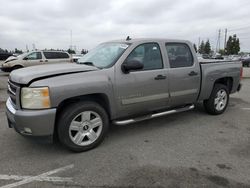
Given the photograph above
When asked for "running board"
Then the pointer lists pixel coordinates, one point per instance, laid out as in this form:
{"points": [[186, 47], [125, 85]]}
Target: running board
{"points": [[128, 121]]}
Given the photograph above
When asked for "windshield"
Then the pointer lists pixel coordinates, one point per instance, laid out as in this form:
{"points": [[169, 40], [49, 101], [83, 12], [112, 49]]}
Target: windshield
{"points": [[104, 55]]}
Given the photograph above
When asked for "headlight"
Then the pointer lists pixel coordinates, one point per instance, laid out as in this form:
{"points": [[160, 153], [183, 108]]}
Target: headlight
{"points": [[35, 98]]}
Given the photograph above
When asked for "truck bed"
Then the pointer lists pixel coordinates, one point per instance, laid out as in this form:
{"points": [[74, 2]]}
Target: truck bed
{"points": [[206, 61], [211, 70]]}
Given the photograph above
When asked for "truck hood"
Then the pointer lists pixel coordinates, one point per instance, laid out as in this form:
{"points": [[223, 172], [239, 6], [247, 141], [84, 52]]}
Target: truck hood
{"points": [[26, 75]]}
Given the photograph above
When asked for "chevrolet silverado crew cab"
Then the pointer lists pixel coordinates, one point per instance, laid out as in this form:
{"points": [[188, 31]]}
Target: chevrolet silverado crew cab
{"points": [[122, 82], [35, 58]]}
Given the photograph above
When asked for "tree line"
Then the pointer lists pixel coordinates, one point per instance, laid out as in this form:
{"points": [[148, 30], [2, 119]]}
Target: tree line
{"points": [[16, 51], [232, 46]]}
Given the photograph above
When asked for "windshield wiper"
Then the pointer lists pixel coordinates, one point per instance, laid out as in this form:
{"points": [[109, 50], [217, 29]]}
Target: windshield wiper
{"points": [[89, 63]]}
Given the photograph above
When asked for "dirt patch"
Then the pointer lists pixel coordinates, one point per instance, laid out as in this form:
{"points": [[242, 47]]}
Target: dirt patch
{"points": [[218, 180], [154, 176], [2, 106], [223, 166], [241, 150], [237, 101]]}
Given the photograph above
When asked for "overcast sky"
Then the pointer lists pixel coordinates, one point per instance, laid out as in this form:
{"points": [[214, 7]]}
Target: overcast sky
{"points": [[47, 23]]}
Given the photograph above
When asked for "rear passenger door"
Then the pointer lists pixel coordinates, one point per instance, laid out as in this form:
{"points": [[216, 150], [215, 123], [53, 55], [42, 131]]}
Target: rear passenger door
{"points": [[184, 74]]}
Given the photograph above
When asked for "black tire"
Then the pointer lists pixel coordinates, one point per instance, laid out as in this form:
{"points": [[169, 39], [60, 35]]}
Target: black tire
{"points": [[209, 104], [16, 67], [67, 116]]}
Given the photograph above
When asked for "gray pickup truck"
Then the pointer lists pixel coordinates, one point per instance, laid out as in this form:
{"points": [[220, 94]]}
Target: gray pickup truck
{"points": [[122, 81]]}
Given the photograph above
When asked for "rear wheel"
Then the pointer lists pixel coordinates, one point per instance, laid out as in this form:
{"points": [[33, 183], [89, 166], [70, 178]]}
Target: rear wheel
{"points": [[82, 126], [218, 100]]}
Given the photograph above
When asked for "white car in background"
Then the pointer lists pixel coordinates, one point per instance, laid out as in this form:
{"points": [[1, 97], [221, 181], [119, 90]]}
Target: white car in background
{"points": [[35, 58], [75, 57], [234, 57]]}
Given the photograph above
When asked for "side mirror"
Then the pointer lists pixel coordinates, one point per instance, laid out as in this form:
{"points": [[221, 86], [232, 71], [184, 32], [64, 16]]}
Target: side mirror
{"points": [[127, 66], [26, 58]]}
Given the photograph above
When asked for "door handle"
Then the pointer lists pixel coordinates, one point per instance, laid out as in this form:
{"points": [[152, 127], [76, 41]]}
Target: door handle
{"points": [[46, 60], [193, 73], [160, 77], [41, 60]]}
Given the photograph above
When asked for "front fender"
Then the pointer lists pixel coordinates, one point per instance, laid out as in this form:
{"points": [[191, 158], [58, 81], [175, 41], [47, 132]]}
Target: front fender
{"points": [[79, 84]]}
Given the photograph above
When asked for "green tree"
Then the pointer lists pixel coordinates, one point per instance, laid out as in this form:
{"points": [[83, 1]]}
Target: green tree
{"points": [[222, 52], [233, 45], [207, 47], [70, 51], [18, 51], [84, 51], [202, 47]]}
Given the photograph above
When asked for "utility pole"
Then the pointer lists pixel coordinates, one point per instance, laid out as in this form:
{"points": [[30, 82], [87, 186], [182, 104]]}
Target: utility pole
{"points": [[225, 43], [27, 48], [34, 47], [219, 39], [70, 40], [199, 43], [218, 42]]}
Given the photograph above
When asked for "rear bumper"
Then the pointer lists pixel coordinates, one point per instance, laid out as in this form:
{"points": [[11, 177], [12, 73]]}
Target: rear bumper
{"points": [[32, 123]]}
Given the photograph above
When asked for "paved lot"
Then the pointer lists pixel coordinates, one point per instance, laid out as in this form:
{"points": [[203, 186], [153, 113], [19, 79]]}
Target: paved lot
{"points": [[190, 149]]}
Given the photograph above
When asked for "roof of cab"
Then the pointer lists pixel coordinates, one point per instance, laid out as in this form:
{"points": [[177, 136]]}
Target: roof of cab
{"points": [[144, 40]]}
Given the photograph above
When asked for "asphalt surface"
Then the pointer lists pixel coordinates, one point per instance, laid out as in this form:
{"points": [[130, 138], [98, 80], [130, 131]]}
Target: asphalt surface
{"points": [[189, 149]]}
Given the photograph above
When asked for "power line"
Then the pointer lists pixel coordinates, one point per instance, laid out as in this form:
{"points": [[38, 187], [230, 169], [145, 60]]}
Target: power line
{"points": [[244, 37], [241, 28], [225, 42]]}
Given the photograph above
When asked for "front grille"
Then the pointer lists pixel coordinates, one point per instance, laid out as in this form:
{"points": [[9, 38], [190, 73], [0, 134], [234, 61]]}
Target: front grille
{"points": [[12, 91]]}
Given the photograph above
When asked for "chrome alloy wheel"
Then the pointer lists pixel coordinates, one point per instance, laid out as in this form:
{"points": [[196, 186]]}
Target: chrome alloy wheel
{"points": [[85, 128], [220, 100]]}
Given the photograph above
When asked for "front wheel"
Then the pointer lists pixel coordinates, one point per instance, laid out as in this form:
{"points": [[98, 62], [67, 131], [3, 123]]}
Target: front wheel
{"points": [[82, 126], [218, 100]]}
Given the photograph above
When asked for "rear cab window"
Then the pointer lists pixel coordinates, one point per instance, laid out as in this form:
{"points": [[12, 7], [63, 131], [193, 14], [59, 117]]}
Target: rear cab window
{"points": [[179, 55]]}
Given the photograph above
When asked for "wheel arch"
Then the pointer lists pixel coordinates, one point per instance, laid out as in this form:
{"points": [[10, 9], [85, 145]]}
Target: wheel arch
{"points": [[227, 81], [99, 98], [17, 65]]}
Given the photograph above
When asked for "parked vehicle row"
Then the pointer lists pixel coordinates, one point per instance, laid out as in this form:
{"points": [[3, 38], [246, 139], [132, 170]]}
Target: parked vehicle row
{"points": [[35, 58], [4, 55], [246, 62], [121, 81]]}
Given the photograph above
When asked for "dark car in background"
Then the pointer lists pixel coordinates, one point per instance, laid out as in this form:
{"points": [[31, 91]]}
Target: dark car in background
{"points": [[4, 55], [246, 62]]}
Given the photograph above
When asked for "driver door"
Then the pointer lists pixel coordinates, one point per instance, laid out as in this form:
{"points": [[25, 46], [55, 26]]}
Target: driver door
{"points": [[146, 90]]}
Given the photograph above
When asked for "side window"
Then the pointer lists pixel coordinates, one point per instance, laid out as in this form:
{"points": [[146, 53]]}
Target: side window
{"points": [[34, 56], [48, 55], [179, 55], [55, 55], [149, 54], [63, 55]]}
